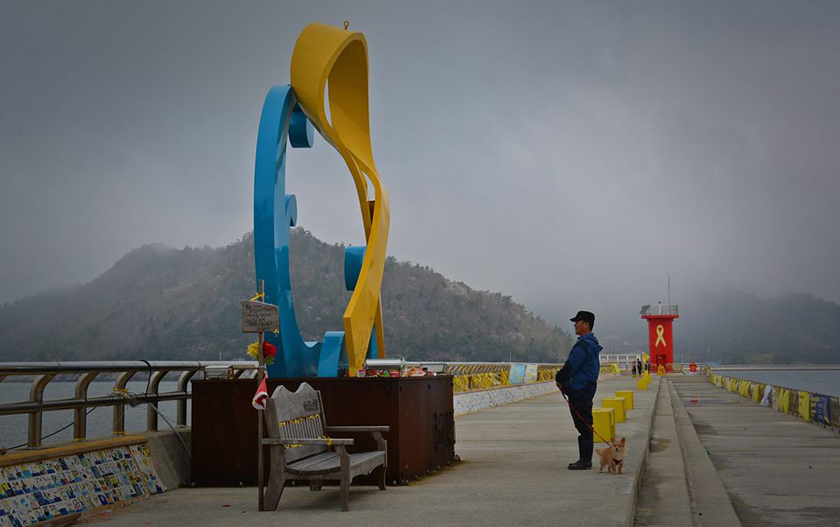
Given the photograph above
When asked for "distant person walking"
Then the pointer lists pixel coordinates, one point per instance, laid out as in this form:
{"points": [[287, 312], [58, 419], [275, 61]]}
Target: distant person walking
{"points": [[578, 381], [639, 369]]}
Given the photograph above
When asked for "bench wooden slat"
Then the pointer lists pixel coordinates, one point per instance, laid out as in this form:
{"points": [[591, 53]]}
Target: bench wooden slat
{"points": [[327, 464], [331, 459], [304, 464]]}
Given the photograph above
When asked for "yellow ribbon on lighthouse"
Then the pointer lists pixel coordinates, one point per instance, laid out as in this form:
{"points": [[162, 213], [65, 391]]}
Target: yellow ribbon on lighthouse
{"points": [[660, 336], [334, 62]]}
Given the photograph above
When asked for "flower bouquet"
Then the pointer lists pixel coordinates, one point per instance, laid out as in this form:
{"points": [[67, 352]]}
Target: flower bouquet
{"points": [[269, 352]]}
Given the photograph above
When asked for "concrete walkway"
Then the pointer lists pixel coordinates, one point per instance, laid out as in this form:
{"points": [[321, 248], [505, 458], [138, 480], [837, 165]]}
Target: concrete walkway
{"points": [[513, 473], [776, 468]]}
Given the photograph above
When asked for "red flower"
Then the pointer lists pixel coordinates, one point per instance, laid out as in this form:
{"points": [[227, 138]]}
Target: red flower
{"points": [[269, 350]]}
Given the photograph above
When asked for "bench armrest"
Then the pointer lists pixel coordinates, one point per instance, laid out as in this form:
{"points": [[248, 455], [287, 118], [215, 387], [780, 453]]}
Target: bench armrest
{"points": [[375, 431], [362, 428], [307, 441]]}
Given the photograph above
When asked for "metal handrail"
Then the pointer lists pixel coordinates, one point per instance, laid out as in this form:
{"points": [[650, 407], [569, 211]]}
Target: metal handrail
{"points": [[44, 372], [89, 371]]}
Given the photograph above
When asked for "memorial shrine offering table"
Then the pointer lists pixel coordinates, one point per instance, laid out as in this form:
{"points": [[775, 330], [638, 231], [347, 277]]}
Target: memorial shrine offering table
{"points": [[419, 411]]}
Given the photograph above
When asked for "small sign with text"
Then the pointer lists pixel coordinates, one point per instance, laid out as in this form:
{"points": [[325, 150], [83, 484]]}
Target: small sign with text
{"points": [[259, 317]]}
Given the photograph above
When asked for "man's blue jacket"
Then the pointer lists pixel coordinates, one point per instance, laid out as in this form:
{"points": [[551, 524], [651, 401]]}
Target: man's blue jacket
{"points": [[582, 365]]}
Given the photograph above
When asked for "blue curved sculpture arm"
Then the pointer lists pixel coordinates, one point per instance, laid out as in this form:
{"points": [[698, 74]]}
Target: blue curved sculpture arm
{"points": [[274, 213]]}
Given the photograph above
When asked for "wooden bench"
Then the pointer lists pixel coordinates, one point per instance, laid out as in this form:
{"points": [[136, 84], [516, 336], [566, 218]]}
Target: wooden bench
{"points": [[301, 449]]}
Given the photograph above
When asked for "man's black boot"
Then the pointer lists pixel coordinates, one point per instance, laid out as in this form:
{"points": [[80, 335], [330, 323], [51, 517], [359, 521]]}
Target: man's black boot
{"points": [[580, 464], [585, 448]]}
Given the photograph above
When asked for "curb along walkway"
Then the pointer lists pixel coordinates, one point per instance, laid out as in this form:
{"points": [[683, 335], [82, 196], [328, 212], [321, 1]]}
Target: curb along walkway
{"points": [[664, 498], [513, 472], [680, 486]]}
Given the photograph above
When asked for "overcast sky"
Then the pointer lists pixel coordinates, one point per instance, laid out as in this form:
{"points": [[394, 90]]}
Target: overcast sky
{"points": [[571, 154]]}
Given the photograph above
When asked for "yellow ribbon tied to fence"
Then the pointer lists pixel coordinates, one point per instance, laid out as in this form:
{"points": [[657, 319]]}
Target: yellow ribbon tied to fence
{"points": [[460, 383], [784, 400], [805, 405], [758, 391], [485, 380]]}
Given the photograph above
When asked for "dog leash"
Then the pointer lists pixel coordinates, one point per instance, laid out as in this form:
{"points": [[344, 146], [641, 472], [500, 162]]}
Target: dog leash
{"points": [[582, 420]]}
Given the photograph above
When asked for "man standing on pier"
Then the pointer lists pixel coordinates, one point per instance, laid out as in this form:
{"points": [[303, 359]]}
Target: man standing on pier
{"points": [[578, 381]]}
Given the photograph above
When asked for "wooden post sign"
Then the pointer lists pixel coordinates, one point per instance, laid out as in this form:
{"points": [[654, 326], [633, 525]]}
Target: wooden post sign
{"points": [[259, 317]]}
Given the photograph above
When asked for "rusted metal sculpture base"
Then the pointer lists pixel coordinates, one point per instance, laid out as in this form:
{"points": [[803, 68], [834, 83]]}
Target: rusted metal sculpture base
{"points": [[418, 410]]}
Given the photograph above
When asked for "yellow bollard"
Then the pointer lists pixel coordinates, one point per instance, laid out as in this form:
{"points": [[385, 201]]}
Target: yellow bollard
{"points": [[618, 403], [627, 394], [604, 423], [641, 384]]}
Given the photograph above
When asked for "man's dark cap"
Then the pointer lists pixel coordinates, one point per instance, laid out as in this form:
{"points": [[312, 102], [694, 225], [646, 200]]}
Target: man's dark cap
{"points": [[588, 316]]}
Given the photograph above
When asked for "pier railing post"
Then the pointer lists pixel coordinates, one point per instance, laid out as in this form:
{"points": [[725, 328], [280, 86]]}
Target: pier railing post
{"points": [[119, 407], [80, 414], [183, 383], [152, 405], [36, 395]]}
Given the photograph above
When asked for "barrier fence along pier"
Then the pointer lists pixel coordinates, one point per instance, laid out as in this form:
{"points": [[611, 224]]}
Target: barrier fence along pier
{"points": [[810, 406]]}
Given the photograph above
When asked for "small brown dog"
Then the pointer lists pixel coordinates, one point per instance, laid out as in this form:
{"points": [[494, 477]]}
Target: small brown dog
{"points": [[613, 456]]}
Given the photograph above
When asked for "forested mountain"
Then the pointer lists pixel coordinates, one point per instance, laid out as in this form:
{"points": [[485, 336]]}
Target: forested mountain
{"points": [[163, 303]]}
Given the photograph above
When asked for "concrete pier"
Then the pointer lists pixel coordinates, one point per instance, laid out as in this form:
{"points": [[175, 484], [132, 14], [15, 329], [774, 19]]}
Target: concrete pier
{"points": [[697, 455], [513, 473]]}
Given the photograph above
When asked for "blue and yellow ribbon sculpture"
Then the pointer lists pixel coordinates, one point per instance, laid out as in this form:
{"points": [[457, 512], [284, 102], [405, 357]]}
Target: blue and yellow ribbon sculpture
{"points": [[333, 60]]}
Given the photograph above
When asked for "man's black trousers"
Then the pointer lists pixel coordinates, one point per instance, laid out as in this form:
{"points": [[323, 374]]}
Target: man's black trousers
{"points": [[580, 406]]}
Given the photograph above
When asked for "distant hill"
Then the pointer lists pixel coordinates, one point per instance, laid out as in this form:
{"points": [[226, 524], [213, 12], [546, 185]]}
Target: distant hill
{"points": [[733, 327], [163, 303], [739, 328]]}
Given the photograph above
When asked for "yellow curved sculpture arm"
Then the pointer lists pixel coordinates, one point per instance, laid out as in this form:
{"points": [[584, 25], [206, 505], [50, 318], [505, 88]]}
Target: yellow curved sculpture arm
{"points": [[326, 55]]}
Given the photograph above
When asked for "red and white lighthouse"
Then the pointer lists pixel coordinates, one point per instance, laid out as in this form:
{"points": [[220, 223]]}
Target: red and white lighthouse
{"points": [[661, 334]]}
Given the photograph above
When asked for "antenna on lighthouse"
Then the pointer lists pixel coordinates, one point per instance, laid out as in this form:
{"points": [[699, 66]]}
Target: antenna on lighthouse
{"points": [[669, 289]]}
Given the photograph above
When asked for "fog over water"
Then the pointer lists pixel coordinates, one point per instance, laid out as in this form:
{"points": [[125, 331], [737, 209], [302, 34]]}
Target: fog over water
{"points": [[571, 154]]}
